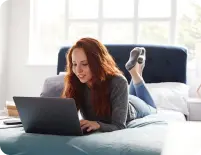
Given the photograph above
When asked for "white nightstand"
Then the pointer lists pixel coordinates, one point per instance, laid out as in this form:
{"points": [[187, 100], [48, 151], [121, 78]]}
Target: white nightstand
{"points": [[194, 109]]}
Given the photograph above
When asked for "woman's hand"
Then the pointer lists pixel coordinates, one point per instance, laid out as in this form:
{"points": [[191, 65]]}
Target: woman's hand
{"points": [[89, 125]]}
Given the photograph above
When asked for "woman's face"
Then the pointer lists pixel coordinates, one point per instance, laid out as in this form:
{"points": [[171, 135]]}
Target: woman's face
{"points": [[80, 66]]}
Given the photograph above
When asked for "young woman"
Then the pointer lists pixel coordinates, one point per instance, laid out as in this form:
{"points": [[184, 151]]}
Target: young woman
{"points": [[101, 91]]}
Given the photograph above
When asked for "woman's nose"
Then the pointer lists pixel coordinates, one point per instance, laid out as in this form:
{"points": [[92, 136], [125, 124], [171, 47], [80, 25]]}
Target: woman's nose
{"points": [[79, 69]]}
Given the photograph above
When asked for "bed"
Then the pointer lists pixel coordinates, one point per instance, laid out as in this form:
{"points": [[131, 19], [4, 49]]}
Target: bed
{"points": [[143, 136]]}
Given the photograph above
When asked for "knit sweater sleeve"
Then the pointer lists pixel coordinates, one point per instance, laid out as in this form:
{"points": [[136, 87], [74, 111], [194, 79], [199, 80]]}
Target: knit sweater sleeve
{"points": [[119, 105]]}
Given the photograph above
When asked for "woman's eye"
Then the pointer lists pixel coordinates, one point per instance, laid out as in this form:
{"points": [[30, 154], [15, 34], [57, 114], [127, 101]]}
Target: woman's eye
{"points": [[74, 65], [85, 64]]}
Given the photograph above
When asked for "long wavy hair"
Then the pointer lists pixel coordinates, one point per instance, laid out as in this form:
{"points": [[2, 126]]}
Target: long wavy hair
{"points": [[102, 66]]}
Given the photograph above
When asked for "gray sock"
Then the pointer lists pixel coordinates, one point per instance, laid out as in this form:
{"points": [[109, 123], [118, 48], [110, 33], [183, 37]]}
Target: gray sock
{"points": [[142, 56], [134, 54]]}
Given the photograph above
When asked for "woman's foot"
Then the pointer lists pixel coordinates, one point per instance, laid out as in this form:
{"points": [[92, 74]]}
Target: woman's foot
{"points": [[142, 56], [142, 59], [134, 55], [136, 62]]}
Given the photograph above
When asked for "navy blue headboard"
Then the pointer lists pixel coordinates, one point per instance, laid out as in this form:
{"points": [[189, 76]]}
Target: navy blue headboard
{"points": [[163, 63]]}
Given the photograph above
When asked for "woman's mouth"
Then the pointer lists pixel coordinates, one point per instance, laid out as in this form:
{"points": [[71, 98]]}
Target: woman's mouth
{"points": [[81, 76]]}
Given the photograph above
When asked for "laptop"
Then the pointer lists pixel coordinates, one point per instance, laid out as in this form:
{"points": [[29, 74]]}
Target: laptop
{"points": [[55, 116]]}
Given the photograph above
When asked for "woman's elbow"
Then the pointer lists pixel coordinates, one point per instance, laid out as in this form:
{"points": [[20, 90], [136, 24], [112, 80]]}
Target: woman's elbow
{"points": [[121, 126]]}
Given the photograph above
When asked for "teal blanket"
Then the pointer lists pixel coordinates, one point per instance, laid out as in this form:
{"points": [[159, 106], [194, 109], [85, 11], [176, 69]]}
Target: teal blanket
{"points": [[143, 137]]}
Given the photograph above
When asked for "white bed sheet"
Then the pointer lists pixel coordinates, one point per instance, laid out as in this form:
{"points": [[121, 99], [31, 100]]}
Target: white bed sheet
{"points": [[170, 115]]}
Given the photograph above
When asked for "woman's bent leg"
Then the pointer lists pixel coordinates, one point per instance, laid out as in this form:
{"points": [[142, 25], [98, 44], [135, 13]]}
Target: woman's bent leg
{"points": [[142, 108], [132, 89], [137, 85], [143, 93]]}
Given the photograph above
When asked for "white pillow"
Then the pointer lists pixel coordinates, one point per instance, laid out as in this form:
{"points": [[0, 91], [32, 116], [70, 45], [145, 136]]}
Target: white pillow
{"points": [[62, 73], [170, 96]]}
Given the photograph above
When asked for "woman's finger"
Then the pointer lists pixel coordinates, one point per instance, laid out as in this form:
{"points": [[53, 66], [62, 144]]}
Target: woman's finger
{"points": [[85, 126], [82, 122], [90, 129]]}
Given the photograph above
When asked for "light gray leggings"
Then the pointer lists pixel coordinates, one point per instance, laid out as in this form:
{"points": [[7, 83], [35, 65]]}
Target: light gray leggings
{"points": [[141, 99]]}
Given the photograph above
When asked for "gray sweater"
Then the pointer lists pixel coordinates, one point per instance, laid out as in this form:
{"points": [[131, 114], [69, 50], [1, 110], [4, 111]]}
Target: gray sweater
{"points": [[122, 111]]}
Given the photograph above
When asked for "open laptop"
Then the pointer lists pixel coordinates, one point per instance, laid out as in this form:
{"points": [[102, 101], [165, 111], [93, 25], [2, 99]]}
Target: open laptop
{"points": [[57, 116]]}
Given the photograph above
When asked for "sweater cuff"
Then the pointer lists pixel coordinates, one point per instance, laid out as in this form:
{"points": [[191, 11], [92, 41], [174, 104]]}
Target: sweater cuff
{"points": [[101, 126]]}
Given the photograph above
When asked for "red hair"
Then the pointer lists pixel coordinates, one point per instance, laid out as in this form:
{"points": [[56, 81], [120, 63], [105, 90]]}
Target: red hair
{"points": [[102, 66]]}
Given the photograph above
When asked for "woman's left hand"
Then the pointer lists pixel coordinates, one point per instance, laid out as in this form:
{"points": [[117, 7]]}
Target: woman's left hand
{"points": [[89, 125]]}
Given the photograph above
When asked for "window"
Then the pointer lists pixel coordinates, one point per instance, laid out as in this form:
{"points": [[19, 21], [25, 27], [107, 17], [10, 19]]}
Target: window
{"points": [[154, 32], [63, 22], [47, 30], [59, 23]]}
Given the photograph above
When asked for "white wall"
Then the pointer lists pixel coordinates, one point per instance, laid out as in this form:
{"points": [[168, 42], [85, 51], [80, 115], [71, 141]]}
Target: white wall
{"points": [[4, 16], [22, 79]]}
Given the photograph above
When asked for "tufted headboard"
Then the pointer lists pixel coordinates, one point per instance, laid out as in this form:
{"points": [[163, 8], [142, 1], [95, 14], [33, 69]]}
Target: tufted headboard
{"points": [[163, 63]]}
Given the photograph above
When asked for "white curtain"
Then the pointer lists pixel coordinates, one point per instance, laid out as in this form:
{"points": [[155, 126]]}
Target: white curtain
{"points": [[198, 67], [3, 52], [194, 72]]}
